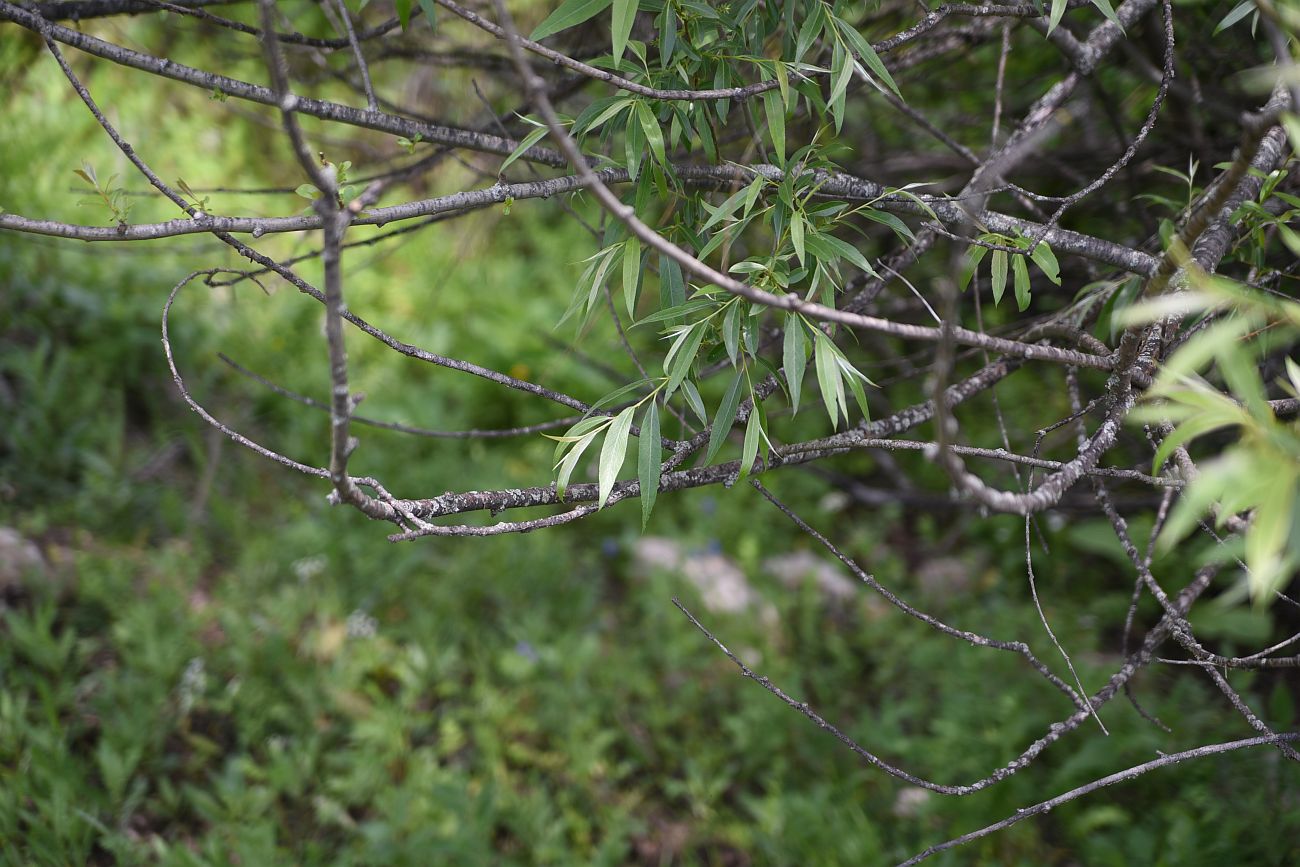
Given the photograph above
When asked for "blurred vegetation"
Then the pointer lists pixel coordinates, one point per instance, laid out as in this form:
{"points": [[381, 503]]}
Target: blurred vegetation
{"points": [[214, 667]]}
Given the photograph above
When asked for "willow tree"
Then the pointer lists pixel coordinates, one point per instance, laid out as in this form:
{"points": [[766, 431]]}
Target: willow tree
{"points": [[795, 208]]}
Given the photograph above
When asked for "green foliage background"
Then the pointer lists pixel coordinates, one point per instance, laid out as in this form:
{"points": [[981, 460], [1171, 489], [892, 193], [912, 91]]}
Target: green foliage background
{"points": [[523, 700]]}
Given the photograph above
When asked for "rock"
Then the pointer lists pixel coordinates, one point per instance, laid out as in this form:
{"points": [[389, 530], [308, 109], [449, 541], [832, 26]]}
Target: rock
{"points": [[910, 801], [831, 578], [721, 583], [20, 561]]}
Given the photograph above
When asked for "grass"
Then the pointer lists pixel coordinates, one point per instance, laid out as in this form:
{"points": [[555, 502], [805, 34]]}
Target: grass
{"points": [[217, 668]]}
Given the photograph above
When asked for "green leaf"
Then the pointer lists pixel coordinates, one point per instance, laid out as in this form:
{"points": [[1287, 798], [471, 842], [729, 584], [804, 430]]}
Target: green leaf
{"points": [[621, 27], [634, 144], [430, 13], [576, 433], [855, 380], [705, 133], [783, 83], [774, 106], [794, 357], [667, 35], [812, 26], [681, 356], [884, 218], [974, 255], [1290, 238], [631, 273], [570, 14], [725, 416], [1238, 12], [731, 330], [828, 377], [694, 401], [1267, 537], [826, 246], [617, 393], [308, 192], [749, 450], [672, 287], [1022, 281], [694, 305], [1293, 375], [1045, 259], [841, 73], [862, 48], [1197, 498], [613, 453], [649, 463], [797, 235], [1106, 9], [654, 136], [725, 210], [1058, 9], [999, 269], [596, 114], [1185, 433], [569, 461], [528, 141], [403, 8]]}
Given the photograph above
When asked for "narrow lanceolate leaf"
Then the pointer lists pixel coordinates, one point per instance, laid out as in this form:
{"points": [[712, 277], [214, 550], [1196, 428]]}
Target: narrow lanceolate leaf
{"points": [[1185, 433], [1240, 11], [528, 141], [841, 74], [1109, 11], [1266, 540], [649, 463], [797, 234], [725, 416], [1045, 259], [624, 15], [1022, 282], [631, 273], [828, 378], [403, 8], [749, 450], [731, 331], [569, 461], [1058, 9], [794, 357], [774, 105], [726, 209], [855, 378], [862, 48], [430, 12], [672, 286], [654, 136], [680, 364], [694, 401], [613, 453], [999, 269], [827, 246], [808, 32], [974, 255], [570, 13], [667, 35], [576, 434]]}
